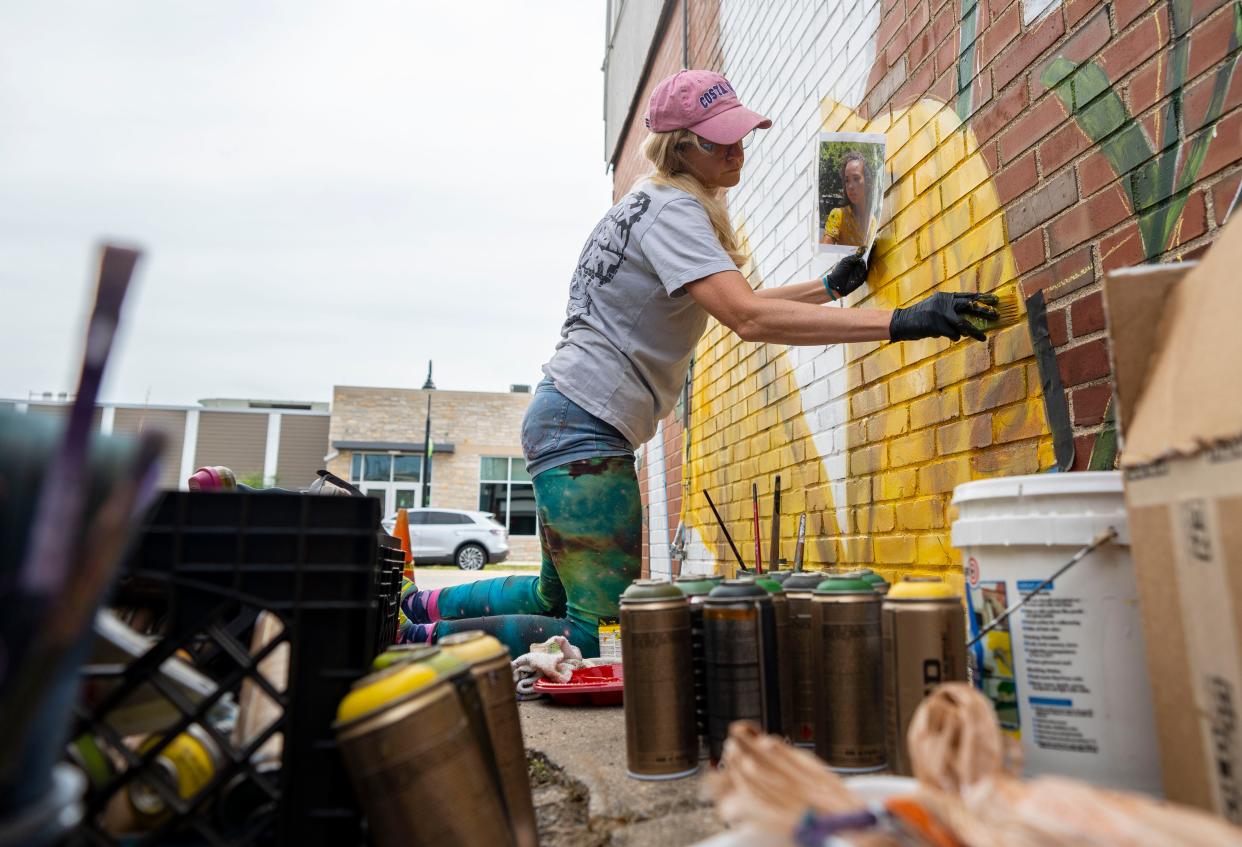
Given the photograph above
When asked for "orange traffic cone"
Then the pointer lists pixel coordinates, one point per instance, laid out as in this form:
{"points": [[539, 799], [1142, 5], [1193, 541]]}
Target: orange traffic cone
{"points": [[402, 533]]}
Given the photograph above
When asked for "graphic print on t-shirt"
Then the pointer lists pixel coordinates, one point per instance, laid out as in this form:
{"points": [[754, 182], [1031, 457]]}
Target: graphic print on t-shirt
{"points": [[604, 253]]}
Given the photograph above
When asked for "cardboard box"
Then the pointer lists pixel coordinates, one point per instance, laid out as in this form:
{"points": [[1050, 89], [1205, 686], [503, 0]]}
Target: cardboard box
{"points": [[1176, 346]]}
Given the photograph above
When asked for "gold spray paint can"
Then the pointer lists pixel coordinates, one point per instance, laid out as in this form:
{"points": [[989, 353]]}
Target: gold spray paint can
{"points": [[408, 749], [489, 664], [799, 590], [847, 656], [660, 737], [924, 633], [740, 644]]}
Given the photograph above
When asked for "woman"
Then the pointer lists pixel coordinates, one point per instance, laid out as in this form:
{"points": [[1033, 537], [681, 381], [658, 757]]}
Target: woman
{"points": [[659, 264], [851, 224]]}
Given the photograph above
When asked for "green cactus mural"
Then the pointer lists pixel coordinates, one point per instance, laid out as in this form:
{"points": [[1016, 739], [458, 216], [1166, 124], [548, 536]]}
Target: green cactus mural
{"points": [[1157, 187]]}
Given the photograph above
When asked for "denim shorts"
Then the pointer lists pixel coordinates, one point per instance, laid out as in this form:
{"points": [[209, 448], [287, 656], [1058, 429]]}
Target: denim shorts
{"points": [[557, 431]]}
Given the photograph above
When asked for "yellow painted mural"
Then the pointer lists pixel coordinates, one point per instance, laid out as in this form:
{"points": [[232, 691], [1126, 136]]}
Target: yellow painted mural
{"points": [[875, 466]]}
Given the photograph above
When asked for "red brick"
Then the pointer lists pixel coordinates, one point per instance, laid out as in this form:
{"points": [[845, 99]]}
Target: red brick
{"points": [[1146, 88], [1003, 30], [1000, 112], [1094, 172], [1223, 193], [918, 85], [920, 48], [1086, 41], [1195, 102], [1030, 127], [1127, 11], [1122, 249], [1076, 10], [946, 56], [988, 152], [945, 87], [918, 18], [1193, 221], [878, 70], [1087, 314], [1210, 43], [1129, 51], [1058, 327], [1225, 146], [890, 6], [1075, 266], [1062, 146], [890, 25], [1017, 178], [1083, 363], [896, 49], [1028, 251], [1090, 403], [1083, 444], [1086, 220], [944, 24], [1018, 56]]}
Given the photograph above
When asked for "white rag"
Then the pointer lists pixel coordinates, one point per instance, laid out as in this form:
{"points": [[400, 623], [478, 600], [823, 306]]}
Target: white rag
{"points": [[555, 659]]}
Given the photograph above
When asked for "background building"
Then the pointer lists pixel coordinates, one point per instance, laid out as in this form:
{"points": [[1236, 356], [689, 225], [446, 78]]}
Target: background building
{"points": [[373, 437], [264, 442], [376, 442], [1035, 143]]}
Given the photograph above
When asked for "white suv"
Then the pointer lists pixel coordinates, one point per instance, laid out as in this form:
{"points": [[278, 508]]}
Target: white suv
{"points": [[469, 540]]}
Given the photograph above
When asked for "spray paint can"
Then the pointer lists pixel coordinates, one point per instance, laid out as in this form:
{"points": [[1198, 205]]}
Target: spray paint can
{"points": [[660, 739], [924, 634], [408, 748], [779, 577], [849, 681], [784, 651], [695, 589], [740, 644], [878, 583], [489, 665], [799, 589], [186, 765]]}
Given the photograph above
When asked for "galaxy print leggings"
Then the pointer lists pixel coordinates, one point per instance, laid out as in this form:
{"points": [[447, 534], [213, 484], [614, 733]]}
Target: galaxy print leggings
{"points": [[590, 524]]}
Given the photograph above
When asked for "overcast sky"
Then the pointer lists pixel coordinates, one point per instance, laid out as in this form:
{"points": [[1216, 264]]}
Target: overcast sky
{"points": [[326, 192]]}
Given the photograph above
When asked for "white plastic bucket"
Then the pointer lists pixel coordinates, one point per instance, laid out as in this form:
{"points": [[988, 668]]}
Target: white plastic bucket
{"points": [[1067, 672]]}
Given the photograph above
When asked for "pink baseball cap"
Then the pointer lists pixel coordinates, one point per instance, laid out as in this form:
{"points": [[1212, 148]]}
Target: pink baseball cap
{"points": [[704, 103]]}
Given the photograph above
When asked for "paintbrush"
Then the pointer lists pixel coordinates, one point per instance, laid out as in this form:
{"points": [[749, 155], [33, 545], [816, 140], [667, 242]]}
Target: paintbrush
{"points": [[754, 501], [797, 563], [1008, 308], [774, 550], [720, 522]]}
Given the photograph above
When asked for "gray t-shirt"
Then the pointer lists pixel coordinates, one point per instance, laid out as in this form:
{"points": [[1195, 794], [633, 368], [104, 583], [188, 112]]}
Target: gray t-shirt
{"points": [[629, 328]]}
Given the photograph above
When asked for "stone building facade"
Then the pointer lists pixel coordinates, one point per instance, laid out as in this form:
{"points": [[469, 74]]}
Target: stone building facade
{"points": [[1032, 145], [476, 461]]}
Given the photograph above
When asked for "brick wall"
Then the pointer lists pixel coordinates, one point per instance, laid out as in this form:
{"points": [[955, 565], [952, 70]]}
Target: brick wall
{"points": [[477, 423], [1033, 154]]}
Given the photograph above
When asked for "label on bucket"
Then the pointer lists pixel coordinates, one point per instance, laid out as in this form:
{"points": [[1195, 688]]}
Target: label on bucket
{"points": [[992, 656], [610, 639]]}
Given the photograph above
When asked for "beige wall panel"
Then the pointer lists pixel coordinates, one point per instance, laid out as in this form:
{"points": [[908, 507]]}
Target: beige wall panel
{"points": [[236, 440], [171, 423], [303, 444]]}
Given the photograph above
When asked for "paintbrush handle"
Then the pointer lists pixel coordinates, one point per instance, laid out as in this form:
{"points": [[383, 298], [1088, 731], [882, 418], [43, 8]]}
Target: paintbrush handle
{"points": [[720, 522], [798, 551], [754, 500]]}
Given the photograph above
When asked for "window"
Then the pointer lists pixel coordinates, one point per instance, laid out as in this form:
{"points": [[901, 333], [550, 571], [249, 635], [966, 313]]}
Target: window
{"points": [[447, 519], [394, 478], [506, 491]]}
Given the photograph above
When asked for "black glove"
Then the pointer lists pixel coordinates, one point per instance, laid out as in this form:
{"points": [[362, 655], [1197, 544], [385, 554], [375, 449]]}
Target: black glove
{"points": [[942, 315], [846, 275]]}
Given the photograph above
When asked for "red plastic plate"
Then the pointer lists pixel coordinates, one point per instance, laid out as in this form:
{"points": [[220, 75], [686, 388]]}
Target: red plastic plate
{"points": [[601, 686]]}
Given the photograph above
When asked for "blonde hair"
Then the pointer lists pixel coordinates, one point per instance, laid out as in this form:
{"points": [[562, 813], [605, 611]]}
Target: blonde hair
{"points": [[663, 150]]}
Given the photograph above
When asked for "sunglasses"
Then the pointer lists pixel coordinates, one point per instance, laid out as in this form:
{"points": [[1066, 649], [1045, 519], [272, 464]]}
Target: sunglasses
{"points": [[711, 147]]}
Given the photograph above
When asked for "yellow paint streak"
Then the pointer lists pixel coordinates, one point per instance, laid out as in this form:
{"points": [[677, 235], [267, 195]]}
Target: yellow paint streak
{"points": [[868, 466]]}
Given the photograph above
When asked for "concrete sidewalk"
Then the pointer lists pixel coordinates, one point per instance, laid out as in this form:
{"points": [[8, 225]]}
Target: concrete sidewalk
{"points": [[583, 797]]}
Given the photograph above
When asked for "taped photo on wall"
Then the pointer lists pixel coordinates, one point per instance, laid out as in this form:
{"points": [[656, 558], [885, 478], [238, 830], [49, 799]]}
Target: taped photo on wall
{"points": [[850, 189]]}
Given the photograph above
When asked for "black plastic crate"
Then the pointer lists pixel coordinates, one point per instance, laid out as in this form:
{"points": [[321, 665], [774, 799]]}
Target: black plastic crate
{"points": [[324, 569]]}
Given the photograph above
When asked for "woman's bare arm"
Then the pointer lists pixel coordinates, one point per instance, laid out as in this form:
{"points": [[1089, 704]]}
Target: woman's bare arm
{"points": [[767, 316]]}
